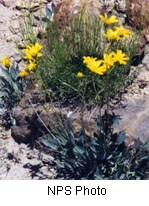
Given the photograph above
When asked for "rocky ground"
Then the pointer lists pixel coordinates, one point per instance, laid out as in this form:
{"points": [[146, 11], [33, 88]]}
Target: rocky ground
{"points": [[18, 161]]}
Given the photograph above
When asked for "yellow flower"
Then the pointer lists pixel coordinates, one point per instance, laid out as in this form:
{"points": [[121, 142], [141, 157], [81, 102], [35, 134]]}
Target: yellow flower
{"points": [[23, 73], [109, 20], [122, 32], [112, 35], [31, 66], [33, 51], [80, 74], [109, 59], [120, 57], [95, 65], [5, 61]]}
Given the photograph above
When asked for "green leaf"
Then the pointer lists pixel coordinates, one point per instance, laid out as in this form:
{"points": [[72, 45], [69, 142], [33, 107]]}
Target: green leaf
{"points": [[50, 143], [59, 164], [68, 165], [61, 140], [53, 7], [6, 79], [6, 84], [121, 137], [71, 132], [137, 143], [5, 73], [14, 72], [115, 120], [3, 94], [147, 145], [122, 176], [50, 11], [78, 150], [97, 175], [5, 89], [82, 136], [101, 154]]}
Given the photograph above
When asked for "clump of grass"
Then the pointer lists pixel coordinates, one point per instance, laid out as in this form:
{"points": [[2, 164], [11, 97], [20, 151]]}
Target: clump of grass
{"points": [[61, 71], [63, 58]]}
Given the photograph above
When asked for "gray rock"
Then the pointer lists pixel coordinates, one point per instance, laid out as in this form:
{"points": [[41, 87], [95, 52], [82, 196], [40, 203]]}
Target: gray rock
{"points": [[22, 134], [120, 5], [146, 50], [8, 3], [135, 119], [145, 60]]}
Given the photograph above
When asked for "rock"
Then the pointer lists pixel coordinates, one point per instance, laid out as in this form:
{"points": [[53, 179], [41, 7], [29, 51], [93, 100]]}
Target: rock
{"points": [[20, 162], [31, 121], [25, 130], [7, 37], [8, 3], [143, 75], [22, 134], [108, 5], [120, 5], [40, 14], [16, 173], [92, 6], [69, 8], [146, 50], [134, 111], [141, 7], [145, 60], [32, 5], [46, 158], [147, 37], [134, 118], [146, 90]]}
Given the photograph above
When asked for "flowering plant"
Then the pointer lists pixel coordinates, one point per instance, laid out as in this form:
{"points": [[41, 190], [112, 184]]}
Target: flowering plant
{"points": [[100, 44], [32, 53], [11, 88]]}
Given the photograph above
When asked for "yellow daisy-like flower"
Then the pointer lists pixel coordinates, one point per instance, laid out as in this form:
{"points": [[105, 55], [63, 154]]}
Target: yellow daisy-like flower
{"points": [[122, 32], [109, 20], [33, 51], [120, 57], [80, 74], [23, 73], [112, 35], [109, 59], [31, 66], [5, 61], [95, 65]]}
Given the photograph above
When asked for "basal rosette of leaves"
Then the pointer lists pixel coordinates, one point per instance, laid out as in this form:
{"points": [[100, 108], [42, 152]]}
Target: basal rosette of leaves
{"points": [[104, 155], [62, 69]]}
